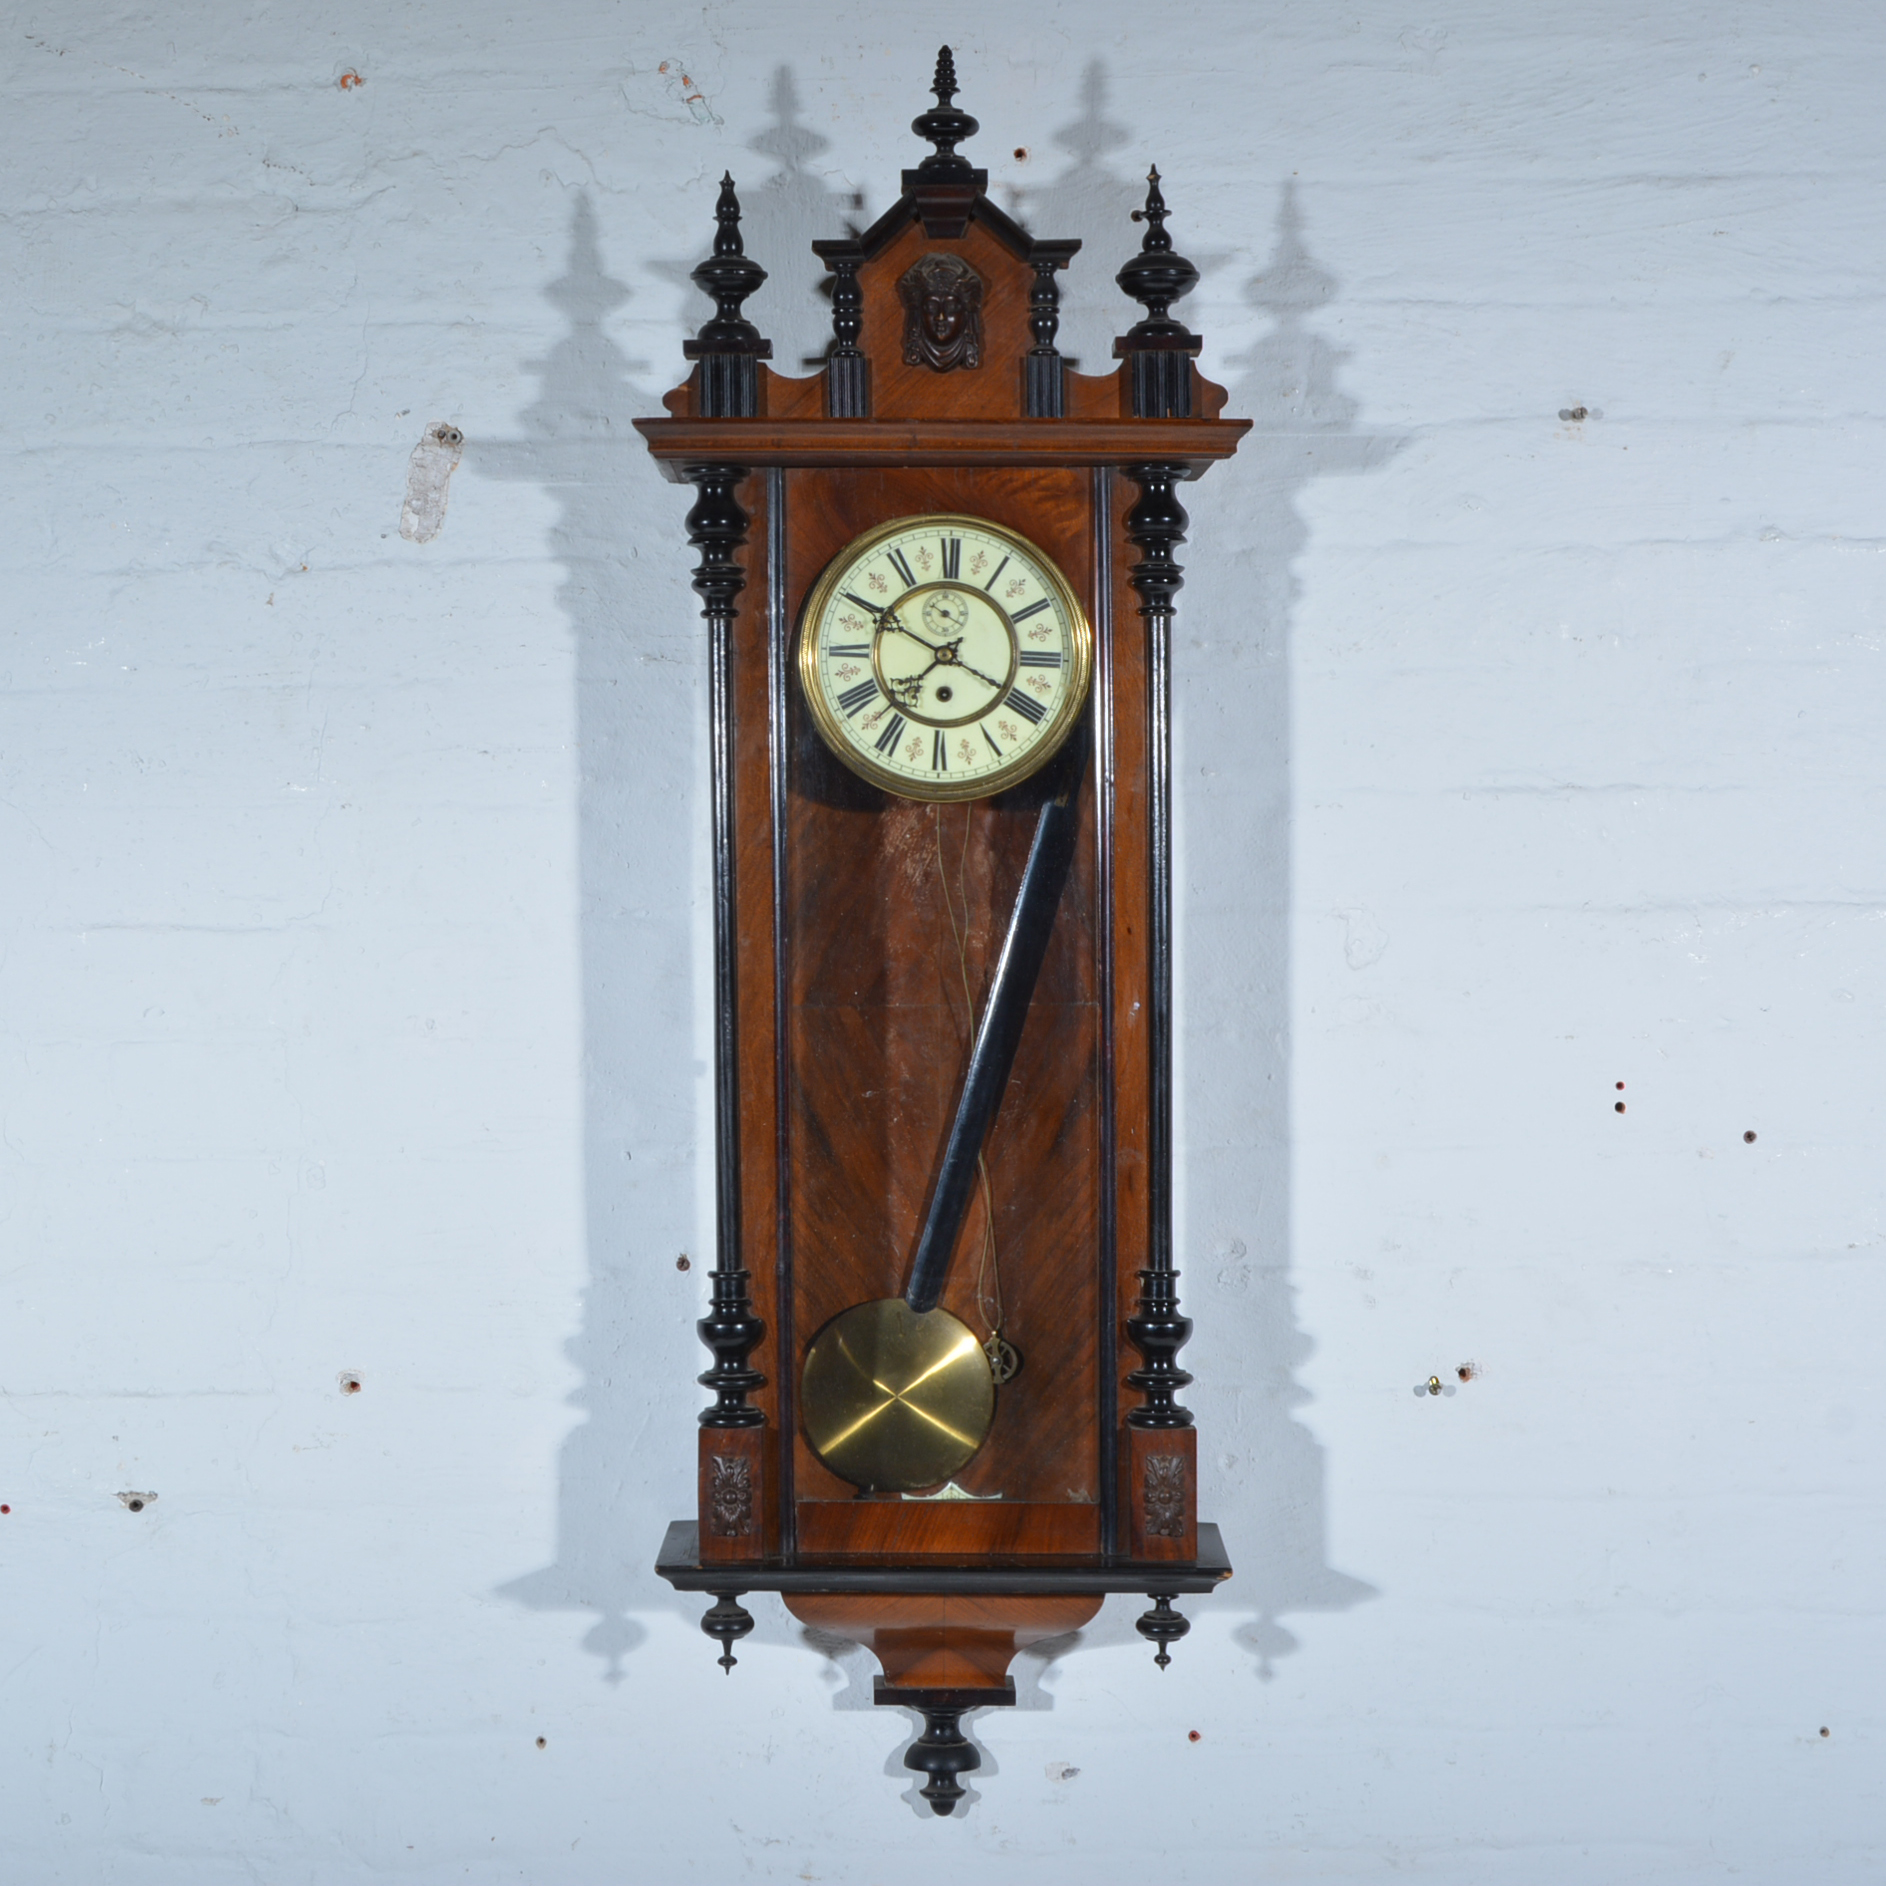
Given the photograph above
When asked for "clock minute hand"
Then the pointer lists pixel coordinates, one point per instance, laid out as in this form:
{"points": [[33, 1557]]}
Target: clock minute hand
{"points": [[890, 619], [997, 1037]]}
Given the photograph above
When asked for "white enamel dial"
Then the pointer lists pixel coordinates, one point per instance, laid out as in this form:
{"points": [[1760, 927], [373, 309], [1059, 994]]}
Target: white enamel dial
{"points": [[944, 657]]}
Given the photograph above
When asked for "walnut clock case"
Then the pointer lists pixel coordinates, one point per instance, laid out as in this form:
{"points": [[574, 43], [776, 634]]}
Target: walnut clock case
{"points": [[938, 579]]}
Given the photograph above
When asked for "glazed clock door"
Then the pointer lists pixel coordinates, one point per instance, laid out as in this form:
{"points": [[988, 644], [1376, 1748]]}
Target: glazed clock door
{"points": [[896, 909]]}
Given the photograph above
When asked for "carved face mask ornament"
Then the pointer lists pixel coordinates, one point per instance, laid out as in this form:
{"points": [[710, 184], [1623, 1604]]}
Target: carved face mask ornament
{"points": [[942, 298]]}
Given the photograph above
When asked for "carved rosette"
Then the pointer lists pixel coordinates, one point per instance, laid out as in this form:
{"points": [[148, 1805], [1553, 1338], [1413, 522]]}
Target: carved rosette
{"points": [[730, 1495], [1165, 1496], [942, 298]]}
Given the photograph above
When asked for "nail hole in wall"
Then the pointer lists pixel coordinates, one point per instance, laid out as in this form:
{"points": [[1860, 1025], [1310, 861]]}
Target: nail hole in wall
{"points": [[1619, 1105], [1192, 1735], [136, 1501], [1467, 1371], [681, 1262], [1620, 1086], [349, 1381], [1748, 1138], [543, 1742], [1575, 414], [1021, 153], [1825, 1733]]}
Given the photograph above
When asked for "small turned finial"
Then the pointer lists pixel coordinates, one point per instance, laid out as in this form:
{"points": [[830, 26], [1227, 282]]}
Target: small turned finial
{"points": [[1161, 1626], [1154, 213], [944, 126], [727, 219]]}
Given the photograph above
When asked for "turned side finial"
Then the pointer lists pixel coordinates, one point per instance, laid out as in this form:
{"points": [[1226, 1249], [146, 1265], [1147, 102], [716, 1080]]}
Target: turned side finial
{"points": [[1157, 275], [1158, 350], [729, 275], [729, 347]]}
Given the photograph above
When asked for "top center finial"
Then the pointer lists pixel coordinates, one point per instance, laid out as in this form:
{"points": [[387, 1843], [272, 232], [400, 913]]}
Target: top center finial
{"points": [[943, 124]]}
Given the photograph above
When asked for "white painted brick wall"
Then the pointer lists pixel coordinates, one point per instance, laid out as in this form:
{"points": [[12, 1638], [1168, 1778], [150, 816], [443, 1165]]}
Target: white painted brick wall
{"points": [[354, 946]]}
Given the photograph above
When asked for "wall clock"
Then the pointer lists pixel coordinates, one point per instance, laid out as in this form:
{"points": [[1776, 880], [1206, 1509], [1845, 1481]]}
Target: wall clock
{"points": [[938, 580]]}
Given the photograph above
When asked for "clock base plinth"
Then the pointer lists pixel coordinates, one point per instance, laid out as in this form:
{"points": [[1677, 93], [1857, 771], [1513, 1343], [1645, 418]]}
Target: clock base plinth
{"points": [[942, 1642], [942, 1751], [945, 1633], [943, 1655]]}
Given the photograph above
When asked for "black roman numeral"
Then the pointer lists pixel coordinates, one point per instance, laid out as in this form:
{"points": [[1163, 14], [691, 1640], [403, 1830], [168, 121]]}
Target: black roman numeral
{"points": [[1036, 657], [1033, 609], [940, 752], [860, 696], [1031, 711], [857, 651], [870, 608], [952, 557], [999, 568], [993, 748], [903, 568], [893, 730]]}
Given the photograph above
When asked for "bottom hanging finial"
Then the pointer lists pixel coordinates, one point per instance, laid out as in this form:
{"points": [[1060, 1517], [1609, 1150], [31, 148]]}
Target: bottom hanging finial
{"points": [[1161, 1626]]}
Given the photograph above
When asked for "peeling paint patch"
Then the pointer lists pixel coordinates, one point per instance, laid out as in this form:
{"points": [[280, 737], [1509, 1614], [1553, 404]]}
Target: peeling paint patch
{"points": [[428, 473], [679, 82], [136, 1501]]}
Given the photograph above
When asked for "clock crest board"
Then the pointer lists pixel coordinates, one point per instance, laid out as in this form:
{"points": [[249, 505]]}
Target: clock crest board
{"points": [[938, 579]]}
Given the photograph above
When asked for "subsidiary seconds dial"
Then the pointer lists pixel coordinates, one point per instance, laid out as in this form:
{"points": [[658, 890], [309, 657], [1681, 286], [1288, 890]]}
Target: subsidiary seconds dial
{"points": [[944, 657]]}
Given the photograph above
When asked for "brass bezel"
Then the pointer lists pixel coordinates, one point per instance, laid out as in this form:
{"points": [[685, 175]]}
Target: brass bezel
{"points": [[986, 785]]}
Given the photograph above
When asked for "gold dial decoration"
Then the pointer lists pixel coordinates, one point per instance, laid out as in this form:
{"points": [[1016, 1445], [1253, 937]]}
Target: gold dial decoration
{"points": [[944, 657]]}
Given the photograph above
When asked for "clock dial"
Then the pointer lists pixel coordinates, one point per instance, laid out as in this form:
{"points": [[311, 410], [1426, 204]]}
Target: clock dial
{"points": [[944, 657]]}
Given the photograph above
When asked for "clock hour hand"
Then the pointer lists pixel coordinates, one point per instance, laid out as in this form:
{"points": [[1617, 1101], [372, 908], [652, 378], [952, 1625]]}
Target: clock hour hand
{"points": [[998, 1035], [910, 689]]}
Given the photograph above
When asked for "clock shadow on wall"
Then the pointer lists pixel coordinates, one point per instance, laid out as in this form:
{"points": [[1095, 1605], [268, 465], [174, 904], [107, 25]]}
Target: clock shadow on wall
{"points": [[1234, 821], [638, 700]]}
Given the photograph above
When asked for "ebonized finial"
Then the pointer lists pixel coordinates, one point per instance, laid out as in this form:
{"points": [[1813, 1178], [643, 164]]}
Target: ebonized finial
{"points": [[729, 347], [1161, 1626], [726, 1622], [944, 126], [1158, 349], [1157, 276], [729, 275]]}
